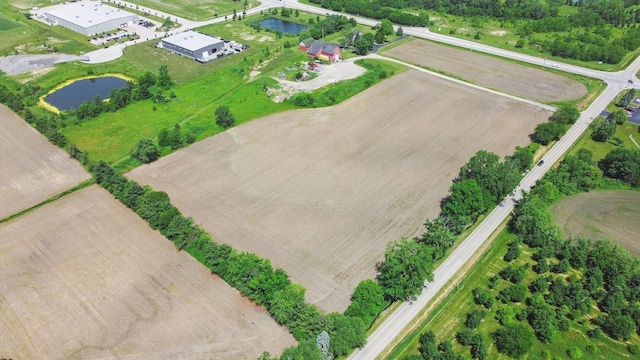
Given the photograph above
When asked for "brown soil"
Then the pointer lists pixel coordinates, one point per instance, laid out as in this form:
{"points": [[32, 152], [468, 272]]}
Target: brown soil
{"points": [[611, 214], [86, 278], [320, 192], [501, 75], [33, 169]]}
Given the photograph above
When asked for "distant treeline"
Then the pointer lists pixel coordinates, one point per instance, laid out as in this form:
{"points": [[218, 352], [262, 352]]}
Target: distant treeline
{"points": [[586, 35]]}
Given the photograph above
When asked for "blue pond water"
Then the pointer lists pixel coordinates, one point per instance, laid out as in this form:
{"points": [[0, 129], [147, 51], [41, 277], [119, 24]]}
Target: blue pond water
{"points": [[286, 27], [74, 94]]}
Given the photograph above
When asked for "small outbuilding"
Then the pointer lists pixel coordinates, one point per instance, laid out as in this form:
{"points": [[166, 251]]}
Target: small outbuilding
{"points": [[193, 44], [306, 44], [90, 17], [324, 51]]}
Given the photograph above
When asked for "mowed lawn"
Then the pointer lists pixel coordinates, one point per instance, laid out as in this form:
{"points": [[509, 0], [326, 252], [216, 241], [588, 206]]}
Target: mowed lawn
{"points": [[320, 192], [85, 278], [33, 169], [610, 214], [486, 71]]}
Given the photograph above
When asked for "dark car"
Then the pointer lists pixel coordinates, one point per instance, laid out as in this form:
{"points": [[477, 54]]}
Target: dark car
{"points": [[540, 162]]}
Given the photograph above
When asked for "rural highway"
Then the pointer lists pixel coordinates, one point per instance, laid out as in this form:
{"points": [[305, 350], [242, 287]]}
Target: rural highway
{"points": [[384, 335]]}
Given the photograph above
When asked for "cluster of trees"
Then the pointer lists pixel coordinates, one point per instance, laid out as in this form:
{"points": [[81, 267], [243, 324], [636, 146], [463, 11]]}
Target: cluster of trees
{"points": [[482, 182], [147, 86], [593, 283], [584, 35], [146, 151], [622, 164], [610, 274], [605, 127], [378, 9], [253, 276], [557, 125]]}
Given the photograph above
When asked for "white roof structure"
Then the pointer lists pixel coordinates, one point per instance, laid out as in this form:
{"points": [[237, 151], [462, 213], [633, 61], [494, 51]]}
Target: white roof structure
{"points": [[192, 40], [87, 14]]}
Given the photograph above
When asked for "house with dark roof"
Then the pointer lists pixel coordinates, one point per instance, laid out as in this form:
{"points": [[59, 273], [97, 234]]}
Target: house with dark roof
{"points": [[324, 51]]}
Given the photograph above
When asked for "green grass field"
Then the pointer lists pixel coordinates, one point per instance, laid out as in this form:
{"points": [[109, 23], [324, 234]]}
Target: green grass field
{"points": [[449, 316], [197, 10]]}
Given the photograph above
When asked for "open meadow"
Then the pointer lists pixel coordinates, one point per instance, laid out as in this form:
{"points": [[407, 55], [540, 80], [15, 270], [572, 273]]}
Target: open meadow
{"points": [[523, 81], [33, 169], [610, 214], [85, 278], [320, 192]]}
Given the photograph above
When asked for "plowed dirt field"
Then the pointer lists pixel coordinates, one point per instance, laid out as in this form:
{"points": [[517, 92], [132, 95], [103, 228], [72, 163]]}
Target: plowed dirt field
{"points": [[33, 169], [85, 278], [320, 192], [523, 81]]}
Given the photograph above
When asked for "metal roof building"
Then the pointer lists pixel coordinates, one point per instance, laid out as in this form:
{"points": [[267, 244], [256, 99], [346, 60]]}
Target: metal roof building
{"points": [[90, 17], [195, 45]]}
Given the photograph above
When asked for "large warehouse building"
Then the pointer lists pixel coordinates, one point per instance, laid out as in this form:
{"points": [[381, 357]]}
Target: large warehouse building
{"points": [[193, 44], [90, 17]]}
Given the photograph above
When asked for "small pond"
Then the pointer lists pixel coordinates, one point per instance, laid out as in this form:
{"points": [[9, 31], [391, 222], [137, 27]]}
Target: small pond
{"points": [[286, 27], [74, 94]]}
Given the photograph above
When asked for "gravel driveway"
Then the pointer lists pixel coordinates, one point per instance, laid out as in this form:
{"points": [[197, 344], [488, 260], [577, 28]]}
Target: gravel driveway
{"points": [[17, 64]]}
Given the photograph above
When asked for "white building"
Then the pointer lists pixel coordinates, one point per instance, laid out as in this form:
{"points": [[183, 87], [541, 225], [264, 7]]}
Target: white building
{"points": [[193, 44], [90, 17]]}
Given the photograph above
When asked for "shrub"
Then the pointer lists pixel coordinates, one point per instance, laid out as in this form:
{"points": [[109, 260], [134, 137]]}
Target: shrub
{"points": [[474, 318], [145, 151], [514, 340], [224, 117], [574, 352]]}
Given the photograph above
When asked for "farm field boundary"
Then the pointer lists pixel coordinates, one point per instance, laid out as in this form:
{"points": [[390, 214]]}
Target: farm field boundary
{"points": [[321, 196]]}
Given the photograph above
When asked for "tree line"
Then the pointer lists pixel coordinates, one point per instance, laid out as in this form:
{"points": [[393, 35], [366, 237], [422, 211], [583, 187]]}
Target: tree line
{"points": [[586, 35], [574, 282], [253, 276]]}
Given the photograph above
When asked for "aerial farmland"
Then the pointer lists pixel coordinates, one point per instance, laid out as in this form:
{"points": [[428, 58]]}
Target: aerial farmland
{"points": [[320, 192]]}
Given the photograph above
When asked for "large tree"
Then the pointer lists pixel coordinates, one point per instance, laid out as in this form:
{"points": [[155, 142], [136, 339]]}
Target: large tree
{"points": [[145, 151], [514, 340], [465, 203], [622, 164], [224, 117], [407, 264]]}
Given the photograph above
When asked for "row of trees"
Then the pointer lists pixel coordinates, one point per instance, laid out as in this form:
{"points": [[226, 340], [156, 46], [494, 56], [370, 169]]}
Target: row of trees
{"points": [[575, 280], [253, 276], [482, 182]]}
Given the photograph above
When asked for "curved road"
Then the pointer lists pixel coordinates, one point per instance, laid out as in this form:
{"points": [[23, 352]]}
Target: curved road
{"points": [[384, 335]]}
